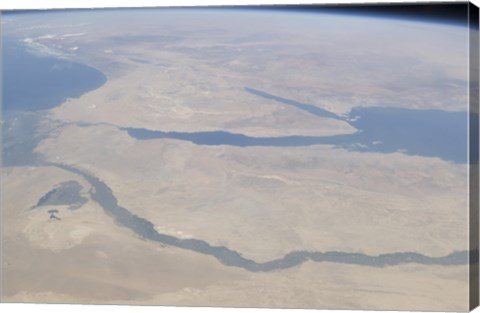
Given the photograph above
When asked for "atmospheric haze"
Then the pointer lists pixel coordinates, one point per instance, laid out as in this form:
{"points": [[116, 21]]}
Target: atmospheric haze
{"points": [[235, 157]]}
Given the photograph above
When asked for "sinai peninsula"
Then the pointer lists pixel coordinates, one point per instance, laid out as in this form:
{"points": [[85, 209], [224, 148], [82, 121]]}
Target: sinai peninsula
{"points": [[234, 157]]}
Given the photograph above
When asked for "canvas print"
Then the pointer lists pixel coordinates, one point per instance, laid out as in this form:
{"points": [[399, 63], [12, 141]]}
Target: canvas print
{"points": [[304, 156]]}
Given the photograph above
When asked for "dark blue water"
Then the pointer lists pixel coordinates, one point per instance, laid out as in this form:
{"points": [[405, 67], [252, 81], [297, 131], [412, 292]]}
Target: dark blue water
{"points": [[430, 133], [216, 138], [104, 196], [32, 82]]}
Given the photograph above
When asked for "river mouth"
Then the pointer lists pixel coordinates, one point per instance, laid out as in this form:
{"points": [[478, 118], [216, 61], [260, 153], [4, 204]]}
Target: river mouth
{"points": [[37, 83], [21, 134], [34, 82]]}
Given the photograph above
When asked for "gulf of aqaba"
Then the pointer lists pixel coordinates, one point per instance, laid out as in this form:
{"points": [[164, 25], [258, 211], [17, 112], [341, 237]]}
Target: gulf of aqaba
{"points": [[216, 157]]}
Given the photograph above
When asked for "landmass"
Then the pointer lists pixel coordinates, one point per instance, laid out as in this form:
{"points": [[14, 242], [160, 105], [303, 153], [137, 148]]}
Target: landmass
{"points": [[260, 202]]}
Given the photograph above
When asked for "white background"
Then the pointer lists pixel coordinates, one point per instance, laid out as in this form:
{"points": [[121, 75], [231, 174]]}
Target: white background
{"points": [[45, 4]]}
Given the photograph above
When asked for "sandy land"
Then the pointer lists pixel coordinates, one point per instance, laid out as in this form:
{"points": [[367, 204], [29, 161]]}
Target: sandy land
{"points": [[112, 265], [260, 201], [86, 257], [266, 202], [313, 285]]}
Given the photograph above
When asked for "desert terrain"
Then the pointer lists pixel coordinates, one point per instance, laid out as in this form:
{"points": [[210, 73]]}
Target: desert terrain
{"points": [[187, 71]]}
